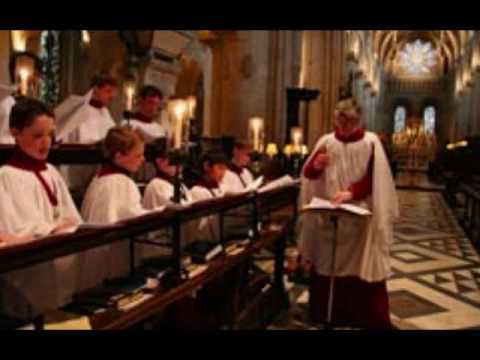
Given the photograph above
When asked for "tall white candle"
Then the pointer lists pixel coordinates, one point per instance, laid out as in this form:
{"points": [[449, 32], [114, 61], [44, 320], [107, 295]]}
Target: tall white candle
{"points": [[179, 111], [24, 75], [130, 92], [256, 126], [296, 136], [191, 105]]}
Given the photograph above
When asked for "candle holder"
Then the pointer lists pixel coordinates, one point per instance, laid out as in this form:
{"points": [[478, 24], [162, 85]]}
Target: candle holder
{"points": [[177, 158]]}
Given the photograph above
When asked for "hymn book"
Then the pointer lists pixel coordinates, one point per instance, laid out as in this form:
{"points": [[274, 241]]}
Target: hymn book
{"points": [[322, 204], [286, 180]]}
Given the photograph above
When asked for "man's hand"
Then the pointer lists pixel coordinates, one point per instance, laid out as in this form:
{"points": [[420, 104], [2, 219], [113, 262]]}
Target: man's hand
{"points": [[341, 197], [321, 160]]}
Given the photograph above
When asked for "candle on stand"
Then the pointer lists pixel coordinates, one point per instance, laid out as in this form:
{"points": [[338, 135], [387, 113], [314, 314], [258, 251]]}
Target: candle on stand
{"points": [[178, 111], [296, 135], [256, 127], [129, 92], [24, 75], [191, 105]]}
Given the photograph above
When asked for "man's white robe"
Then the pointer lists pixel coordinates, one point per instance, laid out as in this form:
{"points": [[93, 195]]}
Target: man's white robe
{"points": [[363, 243]]}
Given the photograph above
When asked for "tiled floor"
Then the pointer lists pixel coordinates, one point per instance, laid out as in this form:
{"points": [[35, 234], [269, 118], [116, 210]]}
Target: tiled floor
{"points": [[436, 271]]}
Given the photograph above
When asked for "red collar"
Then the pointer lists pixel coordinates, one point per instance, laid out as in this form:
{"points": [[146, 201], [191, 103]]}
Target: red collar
{"points": [[97, 104], [22, 160], [110, 168], [143, 118], [356, 135]]}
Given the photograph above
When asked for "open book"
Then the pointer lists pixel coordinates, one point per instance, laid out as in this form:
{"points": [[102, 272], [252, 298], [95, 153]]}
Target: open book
{"points": [[286, 180], [254, 186], [322, 204]]}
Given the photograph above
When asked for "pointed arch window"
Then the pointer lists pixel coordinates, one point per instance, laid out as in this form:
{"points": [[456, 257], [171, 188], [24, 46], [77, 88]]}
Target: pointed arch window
{"points": [[399, 118], [429, 117]]}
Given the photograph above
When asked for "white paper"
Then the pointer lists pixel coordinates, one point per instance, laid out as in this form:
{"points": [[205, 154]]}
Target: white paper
{"points": [[322, 204], [286, 180]]}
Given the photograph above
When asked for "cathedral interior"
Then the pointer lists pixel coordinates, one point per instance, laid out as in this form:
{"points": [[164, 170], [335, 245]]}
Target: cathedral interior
{"points": [[418, 91]]}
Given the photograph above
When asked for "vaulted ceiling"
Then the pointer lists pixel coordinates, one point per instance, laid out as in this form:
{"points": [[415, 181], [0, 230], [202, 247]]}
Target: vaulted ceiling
{"points": [[449, 43]]}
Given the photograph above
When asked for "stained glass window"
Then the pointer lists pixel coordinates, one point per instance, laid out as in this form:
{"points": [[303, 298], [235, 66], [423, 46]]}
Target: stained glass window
{"points": [[429, 119], [418, 58], [400, 118]]}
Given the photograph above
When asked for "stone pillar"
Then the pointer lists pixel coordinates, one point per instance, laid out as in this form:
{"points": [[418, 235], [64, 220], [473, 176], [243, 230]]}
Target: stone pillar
{"points": [[323, 68]]}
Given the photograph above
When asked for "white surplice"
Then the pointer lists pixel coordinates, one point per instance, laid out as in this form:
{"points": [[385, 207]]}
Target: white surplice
{"points": [[27, 210], [363, 243], [86, 125], [233, 182], [208, 227], [238, 221], [160, 192], [149, 131], [109, 198]]}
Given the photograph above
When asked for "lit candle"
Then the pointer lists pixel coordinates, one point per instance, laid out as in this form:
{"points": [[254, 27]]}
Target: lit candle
{"points": [[85, 37], [130, 92], [287, 150], [296, 136], [304, 150], [191, 104], [256, 126], [178, 110], [24, 75]]}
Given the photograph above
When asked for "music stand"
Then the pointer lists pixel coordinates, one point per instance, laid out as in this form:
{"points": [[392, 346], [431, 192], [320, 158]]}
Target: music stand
{"points": [[333, 215]]}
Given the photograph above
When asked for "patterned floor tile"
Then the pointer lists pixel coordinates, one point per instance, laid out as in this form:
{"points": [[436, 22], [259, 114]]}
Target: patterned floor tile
{"points": [[435, 282]]}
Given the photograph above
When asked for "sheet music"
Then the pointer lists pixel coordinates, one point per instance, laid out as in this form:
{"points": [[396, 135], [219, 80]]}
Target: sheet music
{"points": [[250, 188], [322, 204], [286, 180]]}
